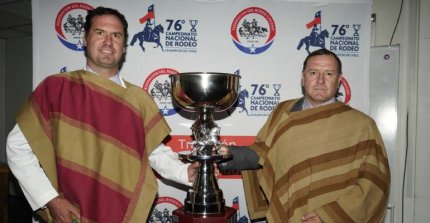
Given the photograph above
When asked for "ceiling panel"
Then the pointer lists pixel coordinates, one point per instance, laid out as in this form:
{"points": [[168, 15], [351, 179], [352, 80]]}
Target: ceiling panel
{"points": [[15, 19]]}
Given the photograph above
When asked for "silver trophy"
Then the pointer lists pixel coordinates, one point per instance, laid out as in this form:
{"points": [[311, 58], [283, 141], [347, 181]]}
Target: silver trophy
{"points": [[205, 93]]}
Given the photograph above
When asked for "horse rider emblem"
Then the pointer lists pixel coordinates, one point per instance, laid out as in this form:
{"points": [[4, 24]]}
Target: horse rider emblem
{"points": [[317, 36], [74, 25], [150, 33], [252, 29]]}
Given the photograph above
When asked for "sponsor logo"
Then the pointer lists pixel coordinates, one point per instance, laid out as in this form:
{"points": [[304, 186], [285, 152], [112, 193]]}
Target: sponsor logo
{"points": [[253, 30], [69, 25], [158, 85], [163, 208]]}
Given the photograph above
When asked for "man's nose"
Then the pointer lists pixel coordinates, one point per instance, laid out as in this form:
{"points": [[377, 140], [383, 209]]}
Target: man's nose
{"points": [[108, 39], [320, 78]]}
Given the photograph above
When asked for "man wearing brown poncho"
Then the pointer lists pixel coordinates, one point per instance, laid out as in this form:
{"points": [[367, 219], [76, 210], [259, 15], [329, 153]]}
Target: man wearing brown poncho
{"points": [[317, 160]]}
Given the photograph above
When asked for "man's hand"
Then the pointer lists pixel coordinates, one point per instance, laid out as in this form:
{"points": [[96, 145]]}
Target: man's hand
{"points": [[193, 168], [192, 171], [62, 211], [223, 150], [311, 217]]}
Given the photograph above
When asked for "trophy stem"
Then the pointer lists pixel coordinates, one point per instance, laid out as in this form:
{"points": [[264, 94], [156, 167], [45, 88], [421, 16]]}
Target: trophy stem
{"points": [[205, 131], [205, 197]]}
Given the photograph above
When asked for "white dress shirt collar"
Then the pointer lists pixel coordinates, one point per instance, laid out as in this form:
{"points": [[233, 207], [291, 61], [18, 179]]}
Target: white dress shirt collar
{"points": [[307, 105], [115, 78]]}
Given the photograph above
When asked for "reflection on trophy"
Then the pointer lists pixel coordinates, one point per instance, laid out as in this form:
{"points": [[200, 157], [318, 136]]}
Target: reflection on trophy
{"points": [[205, 93]]}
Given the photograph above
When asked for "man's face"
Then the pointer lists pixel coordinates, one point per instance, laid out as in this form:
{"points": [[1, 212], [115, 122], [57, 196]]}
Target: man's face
{"points": [[320, 79], [105, 44]]}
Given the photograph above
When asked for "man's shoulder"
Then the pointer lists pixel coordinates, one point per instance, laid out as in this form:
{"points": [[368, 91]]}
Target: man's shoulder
{"points": [[136, 90], [131, 85], [54, 78], [289, 103], [65, 74], [58, 79], [358, 115], [286, 105]]}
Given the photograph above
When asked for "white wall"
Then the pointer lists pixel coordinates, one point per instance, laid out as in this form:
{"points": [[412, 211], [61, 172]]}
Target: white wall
{"points": [[422, 179], [413, 35], [386, 12]]}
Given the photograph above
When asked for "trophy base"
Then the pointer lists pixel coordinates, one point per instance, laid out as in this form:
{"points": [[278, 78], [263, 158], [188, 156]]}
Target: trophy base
{"points": [[228, 216]]}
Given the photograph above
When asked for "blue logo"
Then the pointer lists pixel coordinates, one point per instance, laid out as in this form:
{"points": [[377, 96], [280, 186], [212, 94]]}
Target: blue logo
{"points": [[317, 36], [151, 32], [259, 100], [241, 101]]}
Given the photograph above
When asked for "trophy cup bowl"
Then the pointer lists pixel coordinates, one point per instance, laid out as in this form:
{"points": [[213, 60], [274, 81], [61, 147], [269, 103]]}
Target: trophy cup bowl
{"points": [[205, 93], [195, 91]]}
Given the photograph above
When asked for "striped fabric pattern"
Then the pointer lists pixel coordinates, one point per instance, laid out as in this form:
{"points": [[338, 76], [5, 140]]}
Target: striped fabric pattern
{"points": [[93, 137], [330, 160]]}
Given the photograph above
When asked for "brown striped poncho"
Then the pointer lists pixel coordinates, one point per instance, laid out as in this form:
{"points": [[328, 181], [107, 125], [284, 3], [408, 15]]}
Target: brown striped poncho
{"points": [[330, 160], [92, 138]]}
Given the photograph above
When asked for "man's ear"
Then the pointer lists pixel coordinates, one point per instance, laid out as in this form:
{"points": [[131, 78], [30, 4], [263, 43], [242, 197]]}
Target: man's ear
{"points": [[338, 81], [85, 41]]}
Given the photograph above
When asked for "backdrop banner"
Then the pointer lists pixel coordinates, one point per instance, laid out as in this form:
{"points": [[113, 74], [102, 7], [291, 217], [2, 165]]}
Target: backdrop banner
{"points": [[265, 42]]}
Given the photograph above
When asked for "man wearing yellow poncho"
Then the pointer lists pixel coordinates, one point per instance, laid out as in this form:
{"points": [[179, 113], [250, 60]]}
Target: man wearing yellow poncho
{"points": [[317, 159]]}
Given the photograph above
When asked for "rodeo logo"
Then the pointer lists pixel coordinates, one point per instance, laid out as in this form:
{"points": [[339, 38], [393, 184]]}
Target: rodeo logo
{"points": [[317, 36], [344, 91], [69, 25], [158, 85], [260, 100], [163, 208], [180, 36], [253, 30], [151, 32], [345, 40]]}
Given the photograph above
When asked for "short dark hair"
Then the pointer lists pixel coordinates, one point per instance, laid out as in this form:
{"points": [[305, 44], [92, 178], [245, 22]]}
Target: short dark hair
{"points": [[105, 11], [320, 52]]}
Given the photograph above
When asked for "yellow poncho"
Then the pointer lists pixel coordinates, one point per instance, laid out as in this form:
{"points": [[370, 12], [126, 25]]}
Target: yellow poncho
{"points": [[330, 160]]}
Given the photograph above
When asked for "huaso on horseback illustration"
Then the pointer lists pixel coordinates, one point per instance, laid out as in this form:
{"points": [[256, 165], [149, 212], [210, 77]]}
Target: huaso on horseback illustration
{"points": [[317, 35], [150, 33]]}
